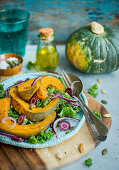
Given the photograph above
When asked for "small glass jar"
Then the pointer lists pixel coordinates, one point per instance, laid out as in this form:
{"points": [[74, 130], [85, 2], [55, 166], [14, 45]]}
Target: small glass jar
{"points": [[47, 57]]}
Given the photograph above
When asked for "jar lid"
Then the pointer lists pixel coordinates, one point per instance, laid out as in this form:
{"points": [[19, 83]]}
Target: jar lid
{"points": [[46, 32]]}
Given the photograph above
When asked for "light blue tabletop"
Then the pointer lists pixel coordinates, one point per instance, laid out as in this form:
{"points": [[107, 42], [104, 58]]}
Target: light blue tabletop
{"points": [[110, 83]]}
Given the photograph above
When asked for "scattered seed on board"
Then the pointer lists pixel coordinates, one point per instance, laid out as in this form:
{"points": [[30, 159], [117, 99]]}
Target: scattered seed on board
{"points": [[81, 147], [99, 80], [103, 91], [104, 151], [104, 101], [106, 115], [59, 155]]}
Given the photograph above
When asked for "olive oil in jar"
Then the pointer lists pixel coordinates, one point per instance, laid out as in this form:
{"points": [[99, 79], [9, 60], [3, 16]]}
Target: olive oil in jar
{"points": [[47, 57]]}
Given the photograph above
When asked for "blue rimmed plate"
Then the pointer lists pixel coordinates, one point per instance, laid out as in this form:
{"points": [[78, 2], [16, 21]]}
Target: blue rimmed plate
{"points": [[62, 136]]}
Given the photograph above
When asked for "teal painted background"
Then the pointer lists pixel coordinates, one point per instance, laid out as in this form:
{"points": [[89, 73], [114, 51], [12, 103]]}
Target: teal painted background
{"points": [[65, 16]]}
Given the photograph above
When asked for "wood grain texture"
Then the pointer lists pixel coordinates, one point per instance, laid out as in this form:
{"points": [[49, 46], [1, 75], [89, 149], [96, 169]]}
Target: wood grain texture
{"points": [[12, 157]]}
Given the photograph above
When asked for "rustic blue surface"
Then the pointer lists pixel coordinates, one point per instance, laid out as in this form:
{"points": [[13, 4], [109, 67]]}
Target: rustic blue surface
{"points": [[111, 85], [65, 16]]}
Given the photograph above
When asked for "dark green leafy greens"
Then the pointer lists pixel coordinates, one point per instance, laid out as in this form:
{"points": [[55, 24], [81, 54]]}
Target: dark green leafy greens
{"points": [[42, 137], [88, 162], [93, 90], [64, 108], [42, 103], [13, 113], [1, 91], [16, 115]]}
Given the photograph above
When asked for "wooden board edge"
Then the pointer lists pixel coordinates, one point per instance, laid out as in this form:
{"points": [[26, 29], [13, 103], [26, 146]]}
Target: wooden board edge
{"points": [[102, 110]]}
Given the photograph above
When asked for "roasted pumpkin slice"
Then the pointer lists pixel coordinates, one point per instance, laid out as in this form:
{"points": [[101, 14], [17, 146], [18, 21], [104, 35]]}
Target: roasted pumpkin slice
{"points": [[49, 81], [26, 91], [4, 107], [26, 131], [36, 113]]}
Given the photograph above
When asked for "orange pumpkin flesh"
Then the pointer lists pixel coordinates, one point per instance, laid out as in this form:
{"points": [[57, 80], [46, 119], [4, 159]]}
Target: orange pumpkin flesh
{"points": [[36, 113], [4, 107], [24, 131], [49, 81], [26, 91]]}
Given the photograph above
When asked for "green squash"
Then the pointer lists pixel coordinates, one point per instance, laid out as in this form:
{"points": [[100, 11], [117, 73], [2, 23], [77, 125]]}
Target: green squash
{"points": [[94, 49]]}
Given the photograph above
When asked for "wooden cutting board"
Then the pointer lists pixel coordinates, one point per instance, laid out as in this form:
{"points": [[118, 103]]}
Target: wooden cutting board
{"points": [[12, 157]]}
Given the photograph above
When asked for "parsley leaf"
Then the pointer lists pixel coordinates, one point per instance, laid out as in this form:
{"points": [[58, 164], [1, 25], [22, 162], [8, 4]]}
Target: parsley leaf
{"points": [[93, 90], [42, 137], [88, 162]]}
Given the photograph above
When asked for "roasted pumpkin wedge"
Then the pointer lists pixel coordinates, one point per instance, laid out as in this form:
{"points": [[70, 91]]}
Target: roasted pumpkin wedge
{"points": [[4, 107], [49, 81], [26, 91], [36, 113], [26, 131]]}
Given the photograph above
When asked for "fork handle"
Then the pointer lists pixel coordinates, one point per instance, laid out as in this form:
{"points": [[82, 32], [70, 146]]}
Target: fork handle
{"points": [[99, 129]]}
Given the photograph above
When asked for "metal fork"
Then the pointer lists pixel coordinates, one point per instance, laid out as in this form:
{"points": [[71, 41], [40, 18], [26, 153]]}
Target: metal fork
{"points": [[99, 129]]}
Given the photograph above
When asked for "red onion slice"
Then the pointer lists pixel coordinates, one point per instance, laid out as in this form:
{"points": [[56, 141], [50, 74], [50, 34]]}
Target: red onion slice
{"points": [[69, 91], [14, 85], [27, 79], [57, 95], [56, 121], [33, 100], [18, 83], [11, 118], [68, 100], [37, 78], [21, 119], [13, 137], [74, 104], [64, 125]]}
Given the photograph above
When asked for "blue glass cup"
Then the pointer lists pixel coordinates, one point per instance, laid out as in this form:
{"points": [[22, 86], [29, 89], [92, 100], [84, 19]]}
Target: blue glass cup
{"points": [[13, 31]]}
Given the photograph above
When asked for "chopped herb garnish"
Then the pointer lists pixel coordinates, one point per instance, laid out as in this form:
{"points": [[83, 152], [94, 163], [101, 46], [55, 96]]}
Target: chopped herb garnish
{"points": [[13, 63], [88, 162], [93, 90], [30, 65], [97, 114]]}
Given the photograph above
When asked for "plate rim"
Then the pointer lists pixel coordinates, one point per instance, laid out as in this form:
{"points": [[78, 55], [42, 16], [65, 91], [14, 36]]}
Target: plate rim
{"points": [[8, 140]]}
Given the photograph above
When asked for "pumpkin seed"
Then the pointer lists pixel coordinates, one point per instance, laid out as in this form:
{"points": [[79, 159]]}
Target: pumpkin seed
{"points": [[103, 91], [107, 115], [104, 101], [99, 80], [59, 155], [104, 151], [81, 147]]}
